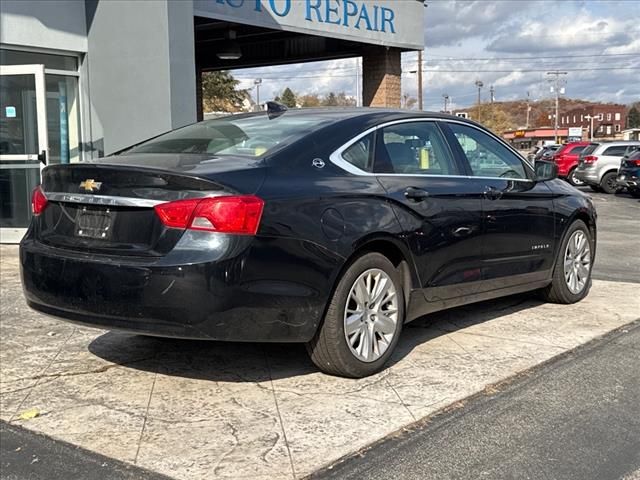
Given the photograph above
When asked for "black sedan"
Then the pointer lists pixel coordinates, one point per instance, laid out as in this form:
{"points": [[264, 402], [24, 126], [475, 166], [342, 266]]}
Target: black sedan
{"points": [[328, 227]]}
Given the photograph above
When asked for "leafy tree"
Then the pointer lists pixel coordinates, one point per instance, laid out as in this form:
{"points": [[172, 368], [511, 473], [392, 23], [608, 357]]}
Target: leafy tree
{"points": [[330, 100], [633, 118], [288, 98], [309, 100], [220, 92], [493, 117], [344, 101]]}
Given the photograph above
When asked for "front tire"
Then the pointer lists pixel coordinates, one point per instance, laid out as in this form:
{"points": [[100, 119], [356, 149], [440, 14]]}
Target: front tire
{"points": [[572, 270], [363, 321]]}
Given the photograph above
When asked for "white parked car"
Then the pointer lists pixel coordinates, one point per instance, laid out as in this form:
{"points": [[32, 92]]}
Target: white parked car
{"points": [[599, 162]]}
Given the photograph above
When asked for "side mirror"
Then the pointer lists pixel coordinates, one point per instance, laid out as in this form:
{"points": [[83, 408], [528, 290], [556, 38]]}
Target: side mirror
{"points": [[545, 170]]}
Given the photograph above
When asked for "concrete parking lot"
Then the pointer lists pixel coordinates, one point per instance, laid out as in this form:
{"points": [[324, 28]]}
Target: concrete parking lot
{"points": [[195, 410]]}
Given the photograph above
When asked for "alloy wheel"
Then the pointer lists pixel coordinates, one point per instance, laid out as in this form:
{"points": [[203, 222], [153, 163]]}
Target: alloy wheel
{"points": [[577, 262], [371, 315]]}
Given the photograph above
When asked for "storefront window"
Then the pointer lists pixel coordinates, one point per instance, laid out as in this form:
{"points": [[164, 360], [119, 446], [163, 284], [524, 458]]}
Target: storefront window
{"points": [[55, 62], [63, 119]]}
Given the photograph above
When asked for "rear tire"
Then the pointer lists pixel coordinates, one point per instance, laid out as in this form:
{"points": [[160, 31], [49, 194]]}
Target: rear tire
{"points": [[372, 318], [572, 270], [608, 183], [573, 180]]}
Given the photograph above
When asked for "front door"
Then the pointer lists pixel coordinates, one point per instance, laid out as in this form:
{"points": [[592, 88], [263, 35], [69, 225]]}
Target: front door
{"points": [[439, 208], [519, 221], [23, 145]]}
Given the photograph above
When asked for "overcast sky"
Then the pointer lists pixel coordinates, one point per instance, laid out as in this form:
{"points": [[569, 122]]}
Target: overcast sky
{"points": [[507, 44]]}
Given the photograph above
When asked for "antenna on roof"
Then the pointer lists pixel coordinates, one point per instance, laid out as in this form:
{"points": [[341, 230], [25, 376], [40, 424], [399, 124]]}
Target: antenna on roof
{"points": [[275, 109]]}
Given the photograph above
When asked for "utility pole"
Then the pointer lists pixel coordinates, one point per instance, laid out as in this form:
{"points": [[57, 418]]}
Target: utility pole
{"points": [[257, 82], [492, 91], [528, 111], [446, 102], [479, 84], [557, 85], [420, 105]]}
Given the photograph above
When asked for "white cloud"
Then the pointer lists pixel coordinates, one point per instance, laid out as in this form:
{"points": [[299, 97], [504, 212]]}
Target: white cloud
{"points": [[507, 44]]}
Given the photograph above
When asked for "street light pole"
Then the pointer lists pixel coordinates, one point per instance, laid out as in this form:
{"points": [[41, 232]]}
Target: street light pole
{"points": [[590, 117], [479, 84], [446, 102], [257, 82], [420, 105]]}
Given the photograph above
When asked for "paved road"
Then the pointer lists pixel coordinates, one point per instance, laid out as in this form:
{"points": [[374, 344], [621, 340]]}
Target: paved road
{"points": [[577, 417], [618, 227], [28, 456]]}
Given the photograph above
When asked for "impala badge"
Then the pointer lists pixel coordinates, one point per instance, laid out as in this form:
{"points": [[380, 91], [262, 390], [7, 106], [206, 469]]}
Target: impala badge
{"points": [[90, 185]]}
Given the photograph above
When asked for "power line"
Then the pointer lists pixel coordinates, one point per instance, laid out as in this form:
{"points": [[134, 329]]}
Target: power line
{"points": [[448, 59]]}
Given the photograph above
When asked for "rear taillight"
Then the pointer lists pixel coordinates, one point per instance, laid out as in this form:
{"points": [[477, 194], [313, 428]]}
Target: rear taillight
{"points": [[636, 162], [38, 201], [590, 159], [229, 214]]}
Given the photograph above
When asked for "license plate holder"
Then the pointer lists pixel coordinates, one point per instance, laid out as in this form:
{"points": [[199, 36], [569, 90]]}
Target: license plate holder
{"points": [[94, 224]]}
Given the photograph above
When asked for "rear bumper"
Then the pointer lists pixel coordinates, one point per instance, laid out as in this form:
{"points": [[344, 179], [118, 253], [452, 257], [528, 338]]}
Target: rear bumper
{"points": [[588, 175], [222, 299], [628, 181]]}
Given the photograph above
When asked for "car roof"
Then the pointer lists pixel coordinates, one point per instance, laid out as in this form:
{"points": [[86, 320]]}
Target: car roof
{"points": [[381, 114]]}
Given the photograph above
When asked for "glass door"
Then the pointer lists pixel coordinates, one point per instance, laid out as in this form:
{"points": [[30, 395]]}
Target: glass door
{"points": [[24, 145]]}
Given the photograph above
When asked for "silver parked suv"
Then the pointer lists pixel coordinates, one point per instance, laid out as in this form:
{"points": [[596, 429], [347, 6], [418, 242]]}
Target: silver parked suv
{"points": [[599, 162]]}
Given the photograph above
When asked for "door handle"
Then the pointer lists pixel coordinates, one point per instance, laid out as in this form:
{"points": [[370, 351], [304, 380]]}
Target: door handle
{"points": [[42, 156], [492, 193], [417, 194]]}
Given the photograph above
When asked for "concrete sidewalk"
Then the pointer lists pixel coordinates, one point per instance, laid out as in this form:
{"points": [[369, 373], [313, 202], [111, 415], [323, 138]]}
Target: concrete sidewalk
{"points": [[213, 410]]}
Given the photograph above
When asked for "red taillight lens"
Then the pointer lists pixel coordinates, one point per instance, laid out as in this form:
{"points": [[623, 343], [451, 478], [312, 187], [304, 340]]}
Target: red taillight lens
{"points": [[636, 162], [229, 214], [590, 159], [38, 201]]}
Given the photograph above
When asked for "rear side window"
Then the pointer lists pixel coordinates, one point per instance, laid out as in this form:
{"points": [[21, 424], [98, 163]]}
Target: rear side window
{"points": [[486, 156], [577, 150], [615, 151], [360, 153], [590, 148], [415, 148]]}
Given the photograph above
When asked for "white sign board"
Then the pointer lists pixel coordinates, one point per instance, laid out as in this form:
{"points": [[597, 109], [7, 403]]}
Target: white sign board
{"points": [[575, 132], [382, 22]]}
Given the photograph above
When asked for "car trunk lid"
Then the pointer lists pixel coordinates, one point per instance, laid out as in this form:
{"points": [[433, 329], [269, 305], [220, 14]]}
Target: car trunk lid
{"points": [[108, 206]]}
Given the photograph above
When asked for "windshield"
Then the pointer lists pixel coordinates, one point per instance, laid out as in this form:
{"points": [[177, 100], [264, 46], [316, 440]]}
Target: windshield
{"points": [[251, 136]]}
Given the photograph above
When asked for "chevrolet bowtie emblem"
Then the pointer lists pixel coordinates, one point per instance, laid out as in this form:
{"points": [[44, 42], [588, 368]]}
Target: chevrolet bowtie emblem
{"points": [[90, 185]]}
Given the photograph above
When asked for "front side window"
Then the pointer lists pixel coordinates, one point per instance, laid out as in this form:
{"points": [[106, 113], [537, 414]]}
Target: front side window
{"points": [[415, 148], [486, 155]]}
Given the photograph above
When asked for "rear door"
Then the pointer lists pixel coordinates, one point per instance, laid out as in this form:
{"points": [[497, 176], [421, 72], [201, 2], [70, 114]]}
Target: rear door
{"points": [[439, 208], [518, 213]]}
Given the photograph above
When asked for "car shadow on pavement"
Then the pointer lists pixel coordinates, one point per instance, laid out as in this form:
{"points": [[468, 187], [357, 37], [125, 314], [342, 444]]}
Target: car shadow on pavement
{"points": [[260, 362]]}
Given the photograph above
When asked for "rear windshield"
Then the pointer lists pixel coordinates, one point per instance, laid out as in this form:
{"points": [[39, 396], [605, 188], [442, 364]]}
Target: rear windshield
{"points": [[251, 136], [576, 150], [590, 148]]}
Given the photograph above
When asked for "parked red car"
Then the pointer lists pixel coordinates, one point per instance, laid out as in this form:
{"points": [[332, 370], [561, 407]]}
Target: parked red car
{"points": [[567, 160]]}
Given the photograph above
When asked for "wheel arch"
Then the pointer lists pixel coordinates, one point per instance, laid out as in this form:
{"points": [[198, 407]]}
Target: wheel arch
{"points": [[588, 219], [393, 249]]}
